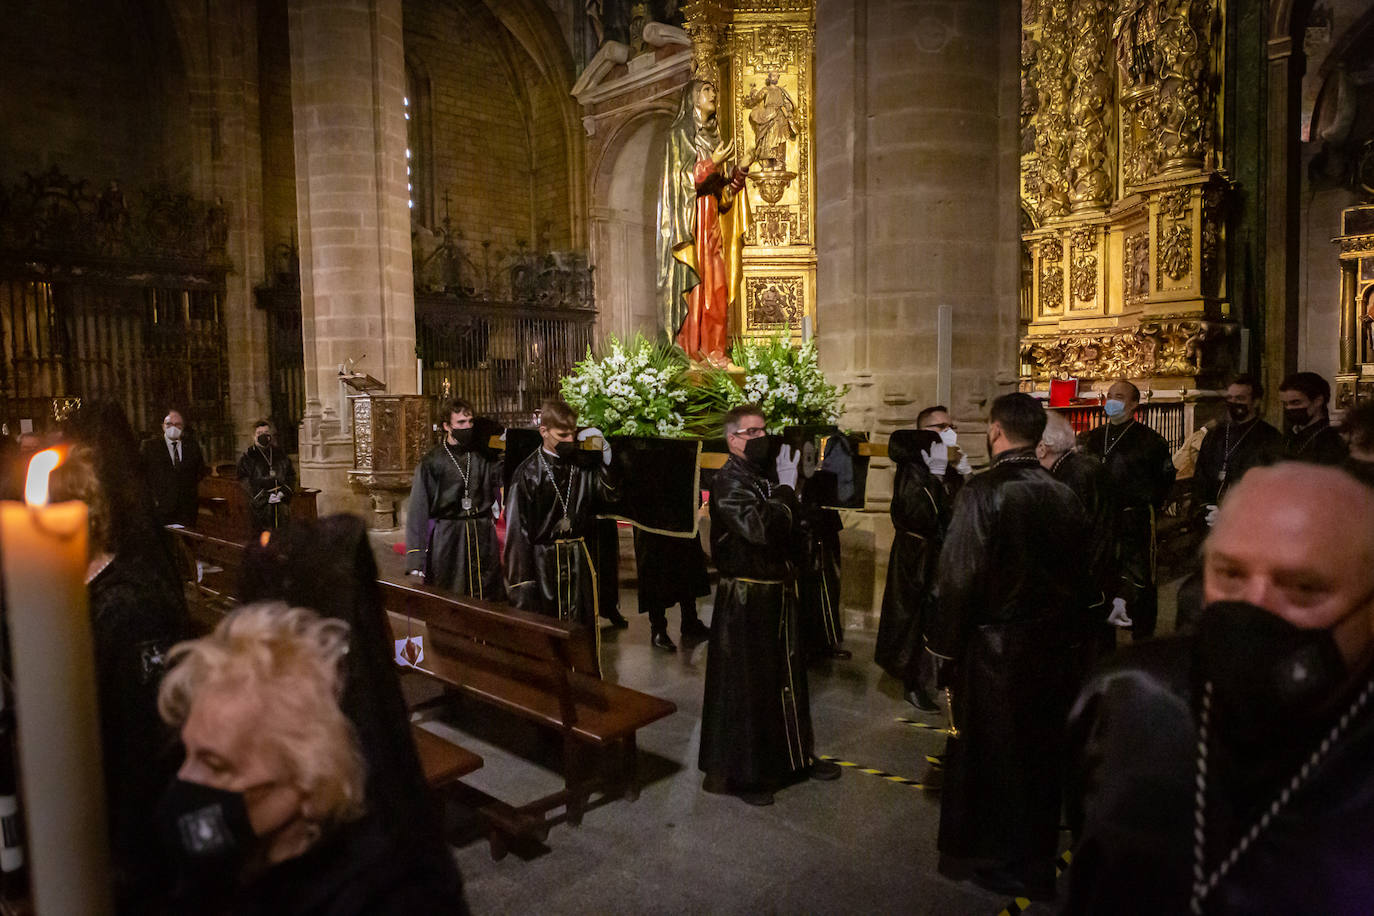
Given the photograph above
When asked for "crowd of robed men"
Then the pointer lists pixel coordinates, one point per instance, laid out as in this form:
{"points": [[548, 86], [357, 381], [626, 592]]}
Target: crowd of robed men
{"points": [[1005, 598]]}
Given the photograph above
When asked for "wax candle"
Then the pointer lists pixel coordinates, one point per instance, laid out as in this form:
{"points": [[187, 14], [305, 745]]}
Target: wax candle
{"points": [[43, 549]]}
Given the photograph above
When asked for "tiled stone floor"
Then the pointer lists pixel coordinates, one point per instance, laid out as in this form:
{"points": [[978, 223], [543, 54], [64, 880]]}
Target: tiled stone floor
{"points": [[859, 845]]}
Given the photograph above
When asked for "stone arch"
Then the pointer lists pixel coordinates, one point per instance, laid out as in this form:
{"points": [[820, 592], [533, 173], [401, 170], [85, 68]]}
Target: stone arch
{"points": [[624, 222]]}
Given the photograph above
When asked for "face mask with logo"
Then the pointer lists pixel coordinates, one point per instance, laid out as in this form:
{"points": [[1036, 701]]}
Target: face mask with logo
{"points": [[1296, 417], [206, 832], [1238, 412], [1115, 407], [949, 437], [1266, 673], [762, 452], [173, 433]]}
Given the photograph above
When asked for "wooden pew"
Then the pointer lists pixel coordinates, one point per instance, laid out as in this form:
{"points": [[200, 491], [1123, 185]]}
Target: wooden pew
{"points": [[213, 567], [542, 670], [224, 510]]}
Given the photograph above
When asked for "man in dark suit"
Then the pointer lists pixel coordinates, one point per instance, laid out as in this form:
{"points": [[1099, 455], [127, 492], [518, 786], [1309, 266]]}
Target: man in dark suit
{"points": [[174, 466]]}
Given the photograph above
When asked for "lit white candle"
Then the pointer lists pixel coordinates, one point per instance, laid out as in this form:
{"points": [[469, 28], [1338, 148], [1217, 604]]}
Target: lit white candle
{"points": [[43, 550]]}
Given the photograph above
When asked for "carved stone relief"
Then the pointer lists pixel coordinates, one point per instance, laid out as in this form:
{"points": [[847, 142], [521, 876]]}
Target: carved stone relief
{"points": [[1175, 252], [775, 226], [1135, 267], [1089, 111], [774, 303], [1168, 347]]}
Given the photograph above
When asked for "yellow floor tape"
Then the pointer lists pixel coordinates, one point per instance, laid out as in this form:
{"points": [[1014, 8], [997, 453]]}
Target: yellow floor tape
{"points": [[899, 780], [1021, 904], [926, 726]]}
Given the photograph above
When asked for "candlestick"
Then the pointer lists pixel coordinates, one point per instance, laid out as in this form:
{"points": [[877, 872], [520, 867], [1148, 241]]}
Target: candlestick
{"points": [[43, 549]]}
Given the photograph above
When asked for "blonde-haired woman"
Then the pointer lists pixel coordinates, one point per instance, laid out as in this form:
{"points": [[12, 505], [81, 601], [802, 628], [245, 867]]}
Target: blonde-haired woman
{"points": [[266, 814]]}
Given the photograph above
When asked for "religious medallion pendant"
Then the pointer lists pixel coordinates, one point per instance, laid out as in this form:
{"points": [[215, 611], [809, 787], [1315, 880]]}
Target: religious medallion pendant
{"points": [[467, 504], [563, 527]]}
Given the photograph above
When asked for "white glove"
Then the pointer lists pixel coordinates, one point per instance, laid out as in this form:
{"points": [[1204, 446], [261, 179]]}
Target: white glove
{"points": [[1117, 617], [592, 431], [416, 572], [273, 498], [964, 467], [788, 459], [1211, 517], [937, 459]]}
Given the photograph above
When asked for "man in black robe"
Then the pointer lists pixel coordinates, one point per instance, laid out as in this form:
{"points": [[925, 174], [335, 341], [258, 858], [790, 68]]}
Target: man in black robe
{"points": [[1142, 472], [1307, 431], [173, 466], [605, 550], [1242, 442], [552, 504], [922, 500], [456, 487], [818, 574], [268, 477], [756, 711], [671, 570], [1009, 591], [1228, 771], [1099, 573]]}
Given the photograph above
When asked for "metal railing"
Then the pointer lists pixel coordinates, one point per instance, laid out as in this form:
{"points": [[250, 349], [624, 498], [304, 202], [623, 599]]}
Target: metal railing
{"points": [[1166, 418], [504, 358]]}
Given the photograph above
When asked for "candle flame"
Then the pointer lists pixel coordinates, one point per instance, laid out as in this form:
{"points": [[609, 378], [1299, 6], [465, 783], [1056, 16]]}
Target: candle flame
{"points": [[42, 465]]}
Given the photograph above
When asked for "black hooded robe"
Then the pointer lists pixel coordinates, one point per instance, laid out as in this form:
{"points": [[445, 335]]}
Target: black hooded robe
{"points": [[265, 471], [756, 712], [461, 554], [921, 507], [1009, 589], [548, 570]]}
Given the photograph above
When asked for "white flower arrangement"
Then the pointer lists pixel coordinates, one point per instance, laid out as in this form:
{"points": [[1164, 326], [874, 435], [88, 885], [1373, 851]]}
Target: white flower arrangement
{"points": [[638, 389], [787, 382]]}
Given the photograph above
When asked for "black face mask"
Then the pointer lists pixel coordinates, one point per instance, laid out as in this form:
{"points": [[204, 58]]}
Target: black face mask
{"points": [[264, 441], [206, 832], [463, 436], [1267, 675], [1296, 417], [566, 451], [1239, 412], [762, 452]]}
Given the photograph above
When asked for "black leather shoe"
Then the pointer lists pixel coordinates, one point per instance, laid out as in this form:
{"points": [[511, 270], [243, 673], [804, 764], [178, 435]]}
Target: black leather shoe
{"points": [[759, 798], [838, 654], [617, 620], [921, 700], [824, 770], [661, 640], [695, 629]]}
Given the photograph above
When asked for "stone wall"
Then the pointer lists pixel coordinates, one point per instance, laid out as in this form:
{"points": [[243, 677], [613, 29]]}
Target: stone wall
{"points": [[916, 120], [498, 143]]}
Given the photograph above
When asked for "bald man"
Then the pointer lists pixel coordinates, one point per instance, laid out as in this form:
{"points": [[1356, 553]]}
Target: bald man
{"points": [[1257, 731], [1142, 473]]}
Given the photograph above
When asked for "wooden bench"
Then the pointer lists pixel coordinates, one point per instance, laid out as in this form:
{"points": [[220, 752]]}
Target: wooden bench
{"points": [[213, 567], [224, 510], [542, 670]]}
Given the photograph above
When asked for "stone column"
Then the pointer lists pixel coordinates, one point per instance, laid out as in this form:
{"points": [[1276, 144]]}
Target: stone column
{"points": [[1281, 205], [357, 294], [916, 148]]}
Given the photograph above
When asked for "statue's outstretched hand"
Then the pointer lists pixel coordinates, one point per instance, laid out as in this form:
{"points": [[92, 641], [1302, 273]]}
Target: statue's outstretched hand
{"points": [[723, 151]]}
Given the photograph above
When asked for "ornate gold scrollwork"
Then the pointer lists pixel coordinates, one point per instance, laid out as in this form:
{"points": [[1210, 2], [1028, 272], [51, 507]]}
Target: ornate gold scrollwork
{"points": [[1052, 131], [1083, 265], [1181, 59], [1175, 252], [1135, 267], [775, 226], [1169, 347], [1090, 97]]}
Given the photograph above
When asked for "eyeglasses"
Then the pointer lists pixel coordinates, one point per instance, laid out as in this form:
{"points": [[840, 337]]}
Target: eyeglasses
{"points": [[940, 427], [752, 432]]}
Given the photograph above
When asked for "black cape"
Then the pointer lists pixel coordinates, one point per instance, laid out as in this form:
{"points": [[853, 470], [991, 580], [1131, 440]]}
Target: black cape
{"points": [[1009, 588], [265, 471], [550, 571], [818, 579], [1134, 738], [460, 554], [756, 713]]}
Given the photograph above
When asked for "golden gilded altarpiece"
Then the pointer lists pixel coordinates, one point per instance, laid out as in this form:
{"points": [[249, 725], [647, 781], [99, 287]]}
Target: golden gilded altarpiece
{"points": [[1123, 193], [761, 56]]}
